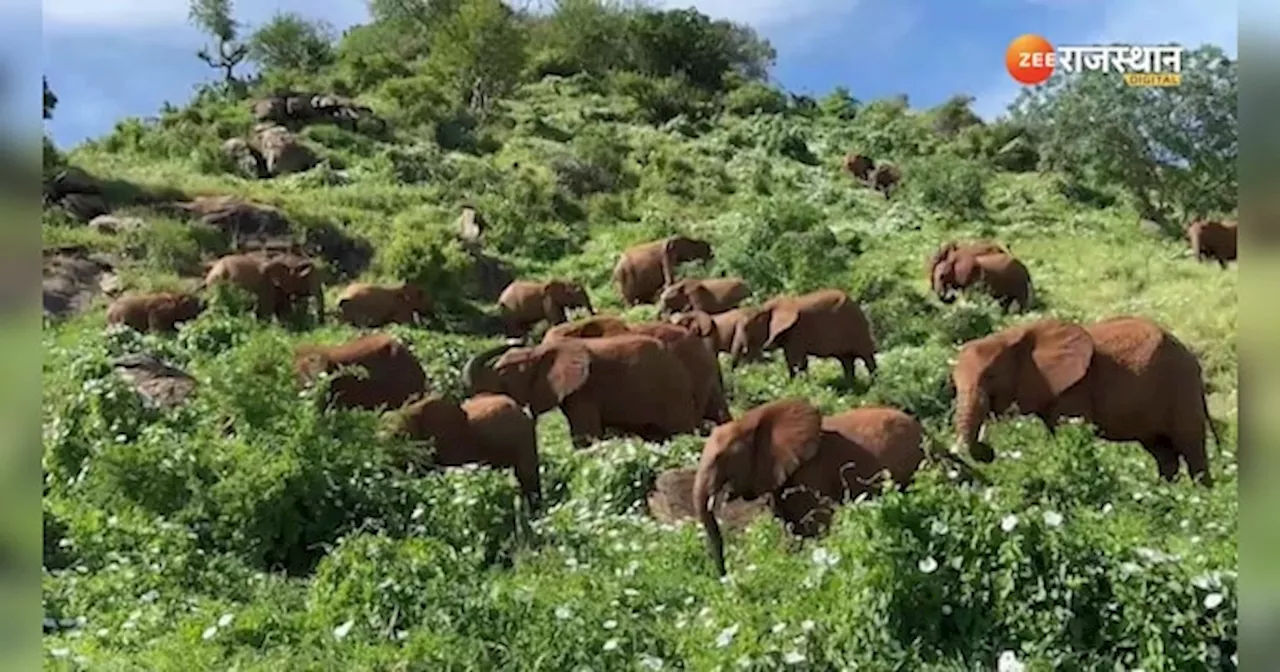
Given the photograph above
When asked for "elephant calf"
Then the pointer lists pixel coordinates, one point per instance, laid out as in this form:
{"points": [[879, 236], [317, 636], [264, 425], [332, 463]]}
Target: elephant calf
{"points": [[825, 323], [1126, 375], [158, 312], [1213, 240], [955, 267], [807, 463], [708, 295], [487, 429], [524, 304], [393, 373], [716, 330], [366, 305], [275, 281]]}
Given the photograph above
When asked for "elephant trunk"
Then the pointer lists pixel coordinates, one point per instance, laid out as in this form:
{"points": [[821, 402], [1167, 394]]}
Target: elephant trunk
{"points": [[971, 412], [702, 492], [477, 377], [530, 479]]}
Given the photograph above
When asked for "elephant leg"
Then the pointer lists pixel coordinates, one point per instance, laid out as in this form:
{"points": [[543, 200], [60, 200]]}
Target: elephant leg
{"points": [[1191, 446], [1165, 456], [849, 363], [869, 361], [797, 362], [584, 421]]}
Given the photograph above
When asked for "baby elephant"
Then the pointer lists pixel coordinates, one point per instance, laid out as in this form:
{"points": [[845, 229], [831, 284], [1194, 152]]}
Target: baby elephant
{"points": [[366, 305], [709, 295], [807, 463], [391, 376], [159, 312], [524, 304], [487, 429], [955, 267], [1213, 240]]}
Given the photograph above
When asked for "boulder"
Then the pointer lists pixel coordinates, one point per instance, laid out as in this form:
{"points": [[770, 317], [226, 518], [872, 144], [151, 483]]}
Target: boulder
{"points": [[159, 384], [282, 152], [72, 278], [671, 501], [112, 224], [471, 225], [246, 158], [237, 217]]}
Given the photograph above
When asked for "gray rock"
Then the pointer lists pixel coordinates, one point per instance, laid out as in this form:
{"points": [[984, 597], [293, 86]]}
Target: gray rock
{"points": [[158, 383]]}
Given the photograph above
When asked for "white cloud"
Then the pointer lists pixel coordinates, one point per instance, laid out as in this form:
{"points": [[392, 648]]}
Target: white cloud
{"points": [[1189, 22], [114, 13]]}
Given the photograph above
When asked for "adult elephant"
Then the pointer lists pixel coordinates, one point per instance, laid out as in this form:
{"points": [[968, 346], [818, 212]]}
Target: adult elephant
{"points": [[824, 323], [157, 311], [523, 304], [391, 376], [807, 463], [629, 383], [1213, 240], [1126, 375], [643, 270], [363, 304], [860, 166], [716, 330], [709, 295], [275, 281], [703, 366], [487, 429], [885, 179], [986, 265]]}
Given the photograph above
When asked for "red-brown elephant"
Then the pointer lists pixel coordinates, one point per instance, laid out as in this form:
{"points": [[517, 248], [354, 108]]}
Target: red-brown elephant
{"points": [[1213, 240], [393, 373], [824, 323], [159, 311], [643, 270]]}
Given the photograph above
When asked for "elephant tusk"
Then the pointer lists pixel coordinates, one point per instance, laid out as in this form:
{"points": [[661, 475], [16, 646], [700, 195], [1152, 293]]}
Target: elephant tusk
{"points": [[982, 433]]}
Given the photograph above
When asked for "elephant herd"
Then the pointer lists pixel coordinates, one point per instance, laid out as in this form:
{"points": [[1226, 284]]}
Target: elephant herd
{"points": [[658, 379]]}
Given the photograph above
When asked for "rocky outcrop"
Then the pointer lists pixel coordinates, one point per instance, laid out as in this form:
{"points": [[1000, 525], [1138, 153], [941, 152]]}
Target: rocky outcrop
{"points": [[671, 501], [72, 278], [77, 192], [159, 384], [296, 109], [281, 151], [237, 217]]}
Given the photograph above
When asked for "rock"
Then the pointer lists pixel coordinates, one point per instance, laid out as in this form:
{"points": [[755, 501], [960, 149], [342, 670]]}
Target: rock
{"points": [[111, 224], [71, 280], [84, 207], [1151, 228], [671, 501], [237, 217], [73, 180], [471, 225], [247, 159], [159, 384], [296, 109], [281, 150]]}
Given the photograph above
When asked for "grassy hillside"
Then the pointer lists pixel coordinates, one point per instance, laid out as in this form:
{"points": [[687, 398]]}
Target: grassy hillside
{"points": [[245, 530]]}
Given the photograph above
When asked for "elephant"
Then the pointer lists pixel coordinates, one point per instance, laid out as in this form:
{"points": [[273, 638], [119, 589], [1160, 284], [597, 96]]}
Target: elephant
{"points": [[628, 382], [885, 179], [808, 464], [975, 248], [159, 311], [394, 375], [991, 266], [276, 281], [1127, 375], [643, 270], [524, 303], [823, 323], [703, 366], [487, 429], [363, 304], [709, 295], [716, 330], [859, 166], [1213, 240]]}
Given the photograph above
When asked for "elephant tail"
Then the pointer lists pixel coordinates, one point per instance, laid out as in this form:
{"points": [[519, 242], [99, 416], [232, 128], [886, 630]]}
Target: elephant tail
{"points": [[1213, 429]]}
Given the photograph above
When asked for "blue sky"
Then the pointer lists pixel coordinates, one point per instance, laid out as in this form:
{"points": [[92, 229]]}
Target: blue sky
{"points": [[108, 59]]}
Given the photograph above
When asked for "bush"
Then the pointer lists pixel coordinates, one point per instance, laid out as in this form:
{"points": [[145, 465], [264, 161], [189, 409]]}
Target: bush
{"points": [[755, 98], [785, 246], [428, 255], [953, 187]]}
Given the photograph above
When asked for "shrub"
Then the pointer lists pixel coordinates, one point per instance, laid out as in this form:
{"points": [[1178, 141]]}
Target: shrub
{"points": [[755, 98], [785, 246], [428, 255], [953, 187]]}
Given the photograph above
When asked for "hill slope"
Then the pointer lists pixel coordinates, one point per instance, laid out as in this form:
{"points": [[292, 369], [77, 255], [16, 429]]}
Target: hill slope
{"points": [[245, 529]]}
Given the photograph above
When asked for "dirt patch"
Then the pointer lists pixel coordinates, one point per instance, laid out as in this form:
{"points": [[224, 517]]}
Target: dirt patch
{"points": [[671, 501]]}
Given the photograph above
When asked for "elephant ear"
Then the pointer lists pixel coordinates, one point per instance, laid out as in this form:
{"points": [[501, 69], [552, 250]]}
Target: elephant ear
{"points": [[702, 324], [563, 371], [781, 318], [786, 436], [965, 266], [1060, 354], [700, 298]]}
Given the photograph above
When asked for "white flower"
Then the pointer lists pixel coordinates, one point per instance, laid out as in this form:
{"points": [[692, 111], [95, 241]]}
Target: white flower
{"points": [[225, 620], [938, 527], [630, 592], [807, 625], [1052, 518], [1107, 508], [1008, 662], [1234, 660], [726, 636], [611, 645], [928, 565], [343, 630], [823, 557], [209, 632], [1009, 522], [610, 624], [778, 627], [1212, 600], [946, 610], [563, 613], [650, 662], [793, 658]]}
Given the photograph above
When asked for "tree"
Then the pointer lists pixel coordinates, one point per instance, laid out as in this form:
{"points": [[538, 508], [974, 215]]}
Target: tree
{"points": [[50, 100], [290, 42], [1172, 149], [479, 50], [214, 17]]}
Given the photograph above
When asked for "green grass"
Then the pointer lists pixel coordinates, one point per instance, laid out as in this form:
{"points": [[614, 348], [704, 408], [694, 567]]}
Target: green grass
{"points": [[296, 541]]}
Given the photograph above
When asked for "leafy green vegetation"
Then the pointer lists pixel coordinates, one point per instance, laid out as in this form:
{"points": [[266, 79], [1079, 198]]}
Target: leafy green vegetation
{"points": [[246, 530]]}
